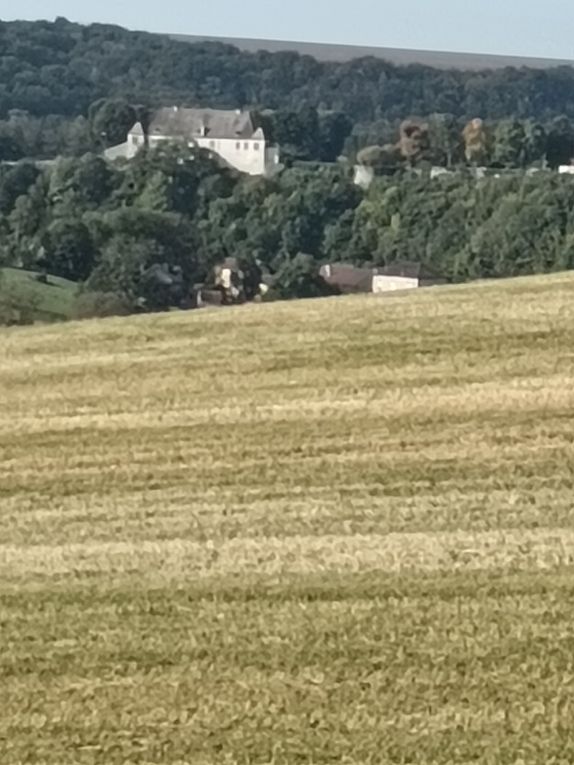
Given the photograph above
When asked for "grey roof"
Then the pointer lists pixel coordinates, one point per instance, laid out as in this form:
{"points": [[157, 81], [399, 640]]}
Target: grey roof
{"points": [[178, 122], [348, 278]]}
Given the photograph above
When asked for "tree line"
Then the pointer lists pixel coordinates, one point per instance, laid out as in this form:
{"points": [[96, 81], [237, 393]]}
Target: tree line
{"points": [[307, 134], [67, 89], [303, 134], [61, 68], [443, 140], [111, 227]]}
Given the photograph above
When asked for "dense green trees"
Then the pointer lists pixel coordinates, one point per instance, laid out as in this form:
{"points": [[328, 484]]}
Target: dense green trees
{"points": [[299, 277], [67, 90], [110, 120], [147, 231], [144, 232], [444, 140], [23, 135], [466, 228], [63, 68]]}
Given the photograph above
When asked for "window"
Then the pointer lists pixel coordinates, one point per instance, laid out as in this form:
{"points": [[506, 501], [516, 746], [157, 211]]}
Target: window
{"points": [[212, 144], [246, 146], [256, 147], [238, 145]]}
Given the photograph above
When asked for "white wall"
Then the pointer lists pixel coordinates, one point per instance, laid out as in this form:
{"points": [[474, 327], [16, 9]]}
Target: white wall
{"points": [[135, 143], [393, 283], [364, 176], [245, 155], [272, 160], [251, 156]]}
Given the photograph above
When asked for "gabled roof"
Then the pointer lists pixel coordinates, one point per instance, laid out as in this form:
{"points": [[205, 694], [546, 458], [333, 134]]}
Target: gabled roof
{"points": [[176, 122], [348, 278], [137, 129]]}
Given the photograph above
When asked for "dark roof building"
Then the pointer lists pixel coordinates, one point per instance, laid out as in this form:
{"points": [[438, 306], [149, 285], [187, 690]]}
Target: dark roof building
{"points": [[403, 274], [348, 279], [177, 122]]}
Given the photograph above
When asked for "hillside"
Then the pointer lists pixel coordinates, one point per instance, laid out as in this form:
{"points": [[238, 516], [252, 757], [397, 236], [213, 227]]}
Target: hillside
{"points": [[56, 72], [51, 301], [397, 56], [327, 531]]}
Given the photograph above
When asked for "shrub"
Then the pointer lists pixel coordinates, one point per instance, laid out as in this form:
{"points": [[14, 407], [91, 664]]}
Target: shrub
{"points": [[99, 305]]}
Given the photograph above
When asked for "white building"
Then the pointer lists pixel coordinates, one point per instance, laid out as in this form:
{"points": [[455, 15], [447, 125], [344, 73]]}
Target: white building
{"points": [[382, 283], [230, 135], [398, 276], [404, 275]]}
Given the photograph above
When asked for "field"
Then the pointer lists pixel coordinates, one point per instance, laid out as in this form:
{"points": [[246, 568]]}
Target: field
{"points": [[54, 301], [397, 56], [335, 531]]}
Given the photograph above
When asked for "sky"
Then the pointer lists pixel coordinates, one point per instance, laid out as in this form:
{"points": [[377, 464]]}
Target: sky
{"points": [[511, 27]]}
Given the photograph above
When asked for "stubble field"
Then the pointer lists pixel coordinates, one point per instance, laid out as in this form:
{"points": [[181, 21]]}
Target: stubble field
{"points": [[336, 531]]}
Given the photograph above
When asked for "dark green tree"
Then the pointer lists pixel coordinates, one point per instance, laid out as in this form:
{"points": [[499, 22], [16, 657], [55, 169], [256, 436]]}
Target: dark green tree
{"points": [[444, 137], [14, 183], [510, 144], [299, 278], [68, 250], [560, 142], [111, 119]]}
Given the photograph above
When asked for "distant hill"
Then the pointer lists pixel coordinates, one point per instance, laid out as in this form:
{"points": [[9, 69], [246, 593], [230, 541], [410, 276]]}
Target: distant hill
{"points": [[398, 56], [53, 300], [63, 68]]}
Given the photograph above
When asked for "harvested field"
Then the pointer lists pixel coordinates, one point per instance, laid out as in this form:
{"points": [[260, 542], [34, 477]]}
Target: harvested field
{"points": [[329, 531]]}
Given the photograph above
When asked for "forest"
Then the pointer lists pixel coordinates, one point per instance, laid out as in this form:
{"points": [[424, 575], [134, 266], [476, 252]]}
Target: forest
{"points": [[54, 78], [69, 91], [105, 226], [61, 68]]}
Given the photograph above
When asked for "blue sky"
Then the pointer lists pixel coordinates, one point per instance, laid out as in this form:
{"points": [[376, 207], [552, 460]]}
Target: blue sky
{"points": [[521, 27]]}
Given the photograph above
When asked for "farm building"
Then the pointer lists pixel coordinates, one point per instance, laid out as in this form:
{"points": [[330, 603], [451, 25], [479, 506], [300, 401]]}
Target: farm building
{"points": [[402, 275], [348, 279]]}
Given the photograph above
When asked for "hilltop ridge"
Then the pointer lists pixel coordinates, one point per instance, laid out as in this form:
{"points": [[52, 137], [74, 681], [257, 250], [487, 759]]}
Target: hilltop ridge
{"points": [[332, 52]]}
